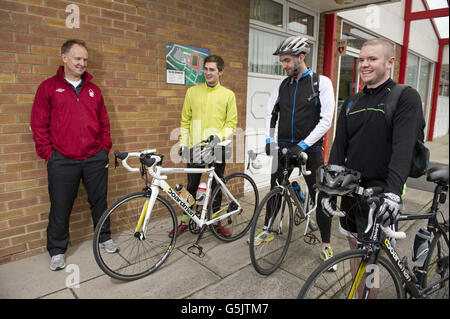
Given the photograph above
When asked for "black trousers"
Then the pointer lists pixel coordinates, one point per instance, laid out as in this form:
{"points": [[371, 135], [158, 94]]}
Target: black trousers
{"points": [[194, 181], [64, 177], [315, 160]]}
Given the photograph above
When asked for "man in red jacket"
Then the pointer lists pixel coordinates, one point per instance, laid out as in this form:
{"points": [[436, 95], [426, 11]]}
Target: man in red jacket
{"points": [[71, 133]]}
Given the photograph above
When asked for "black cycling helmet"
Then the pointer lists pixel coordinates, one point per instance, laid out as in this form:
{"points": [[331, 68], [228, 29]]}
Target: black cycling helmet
{"points": [[294, 45], [337, 180]]}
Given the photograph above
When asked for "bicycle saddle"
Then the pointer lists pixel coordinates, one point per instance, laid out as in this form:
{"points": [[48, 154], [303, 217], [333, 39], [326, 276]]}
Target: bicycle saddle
{"points": [[438, 174]]}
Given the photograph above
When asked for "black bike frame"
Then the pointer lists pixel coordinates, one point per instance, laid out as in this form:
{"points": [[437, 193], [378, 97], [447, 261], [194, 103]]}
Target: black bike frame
{"points": [[412, 284]]}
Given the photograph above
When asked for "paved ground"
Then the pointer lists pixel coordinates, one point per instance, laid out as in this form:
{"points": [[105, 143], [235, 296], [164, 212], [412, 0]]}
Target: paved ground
{"points": [[224, 273]]}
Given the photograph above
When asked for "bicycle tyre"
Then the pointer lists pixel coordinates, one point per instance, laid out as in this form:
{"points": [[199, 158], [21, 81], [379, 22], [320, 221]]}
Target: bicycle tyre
{"points": [[326, 284], [136, 257], [436, 266], [239, 223], [268, 255]]}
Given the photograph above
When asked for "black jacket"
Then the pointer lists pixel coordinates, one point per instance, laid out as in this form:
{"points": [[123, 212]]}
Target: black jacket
{"points": [[297, 109], [365, 142]]}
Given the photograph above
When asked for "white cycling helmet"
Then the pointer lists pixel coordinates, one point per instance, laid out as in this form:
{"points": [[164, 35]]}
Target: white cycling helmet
{"points": [[294, 45]]}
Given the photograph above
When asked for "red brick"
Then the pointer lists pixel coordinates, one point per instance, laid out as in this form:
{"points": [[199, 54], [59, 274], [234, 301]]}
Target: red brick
{"points": [[12, 250], [41, 11], [13, 6]]}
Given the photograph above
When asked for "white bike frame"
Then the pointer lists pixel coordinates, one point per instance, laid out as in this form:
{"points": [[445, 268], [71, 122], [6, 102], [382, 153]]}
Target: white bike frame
{"points": [[158, 182]]}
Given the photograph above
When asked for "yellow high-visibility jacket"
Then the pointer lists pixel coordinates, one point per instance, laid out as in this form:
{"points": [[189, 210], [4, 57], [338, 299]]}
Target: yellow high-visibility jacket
{"points": [[207, 111]]}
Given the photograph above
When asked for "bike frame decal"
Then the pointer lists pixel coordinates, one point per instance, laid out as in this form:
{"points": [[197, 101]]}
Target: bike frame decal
{"points": [[396, 259], [180, 201]]}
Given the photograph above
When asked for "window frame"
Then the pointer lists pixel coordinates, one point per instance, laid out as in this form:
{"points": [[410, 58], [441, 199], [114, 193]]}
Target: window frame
{"points": [[425, 107], [285, 32]]}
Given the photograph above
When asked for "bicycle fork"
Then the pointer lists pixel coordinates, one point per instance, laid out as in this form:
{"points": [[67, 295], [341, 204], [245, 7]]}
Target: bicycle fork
{"points": [[361, 276], [141, 227]]}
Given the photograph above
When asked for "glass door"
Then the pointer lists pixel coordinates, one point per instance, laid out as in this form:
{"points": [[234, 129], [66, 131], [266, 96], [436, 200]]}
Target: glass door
{"points": [[349, 80]]}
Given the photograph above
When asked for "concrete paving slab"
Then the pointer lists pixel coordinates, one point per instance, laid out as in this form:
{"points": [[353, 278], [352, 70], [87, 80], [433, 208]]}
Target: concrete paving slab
{"points": [[248, 284], [226, 258], [176, 280], [32, 277], [63, 294], [302, 258]]}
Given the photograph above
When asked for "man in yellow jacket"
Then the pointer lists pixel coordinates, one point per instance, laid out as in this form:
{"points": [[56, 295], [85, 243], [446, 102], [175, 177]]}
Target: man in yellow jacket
{"points": [[209, 109]]}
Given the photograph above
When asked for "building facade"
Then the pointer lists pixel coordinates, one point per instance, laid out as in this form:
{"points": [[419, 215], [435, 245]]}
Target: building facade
{"points": [[128, 42]]}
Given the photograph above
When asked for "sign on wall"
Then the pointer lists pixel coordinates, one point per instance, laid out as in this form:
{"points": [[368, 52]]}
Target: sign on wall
{"points": [[184, 64], [341, 47]]}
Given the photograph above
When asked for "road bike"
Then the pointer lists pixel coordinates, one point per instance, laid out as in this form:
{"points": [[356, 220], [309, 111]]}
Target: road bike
{"points": [[140, 222], [365, 273], [271, 230]]}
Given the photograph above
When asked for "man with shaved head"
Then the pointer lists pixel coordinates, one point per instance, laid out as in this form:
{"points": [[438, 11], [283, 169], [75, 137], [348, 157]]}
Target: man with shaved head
{"points": [[366, 142]]}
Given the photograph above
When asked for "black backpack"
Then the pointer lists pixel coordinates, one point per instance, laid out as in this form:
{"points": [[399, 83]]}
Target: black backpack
{"points": [[421, 154]]}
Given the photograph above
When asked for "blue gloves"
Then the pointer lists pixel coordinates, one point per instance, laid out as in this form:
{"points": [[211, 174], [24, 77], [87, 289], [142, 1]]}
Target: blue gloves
{"points": [[389, 210]]}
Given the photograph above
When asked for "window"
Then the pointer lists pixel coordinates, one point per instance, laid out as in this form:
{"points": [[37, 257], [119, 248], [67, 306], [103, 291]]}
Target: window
{"points": [[300, 22], [443, 85], [424, 80], [261, 59], [355, 37], [272, 21], [283, 16], [418, 75], [267, 11], [412, 69], [261, 48]]}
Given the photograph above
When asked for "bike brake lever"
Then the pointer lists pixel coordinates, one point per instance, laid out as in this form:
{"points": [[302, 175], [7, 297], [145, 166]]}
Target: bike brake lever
{"points": [[304, 159], [373, 207]]}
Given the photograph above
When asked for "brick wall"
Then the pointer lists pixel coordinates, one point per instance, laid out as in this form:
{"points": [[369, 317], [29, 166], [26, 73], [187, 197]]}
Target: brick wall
{"points": [[127, 42]]}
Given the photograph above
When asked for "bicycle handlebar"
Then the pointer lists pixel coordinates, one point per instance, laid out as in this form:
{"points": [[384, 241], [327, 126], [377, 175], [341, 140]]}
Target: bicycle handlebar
{"points": [[146, 157], [326, 205], [392, 233], [371, 198], [374, 203], [302, 159]]}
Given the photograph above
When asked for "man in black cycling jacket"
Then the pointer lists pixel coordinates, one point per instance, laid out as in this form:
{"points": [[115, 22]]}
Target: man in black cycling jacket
{"points": [[365, 142], [303, 105]]}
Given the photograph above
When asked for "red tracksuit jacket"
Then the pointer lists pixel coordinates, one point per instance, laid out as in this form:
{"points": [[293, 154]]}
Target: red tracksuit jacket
{"points": [[76, 126]]}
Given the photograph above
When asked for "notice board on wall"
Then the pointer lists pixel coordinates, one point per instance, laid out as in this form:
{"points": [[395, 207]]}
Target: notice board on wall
{"points": [[184, 64]]}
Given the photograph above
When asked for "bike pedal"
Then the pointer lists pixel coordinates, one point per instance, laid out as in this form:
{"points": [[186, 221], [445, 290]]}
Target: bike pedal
{"points": [[199, 249], [311, 239]]}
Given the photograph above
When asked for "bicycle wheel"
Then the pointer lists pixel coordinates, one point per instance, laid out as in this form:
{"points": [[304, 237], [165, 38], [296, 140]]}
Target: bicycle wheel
{"points": [[271, 232], [383, 279], [436, 266], [244, 190], [138, 254]]}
